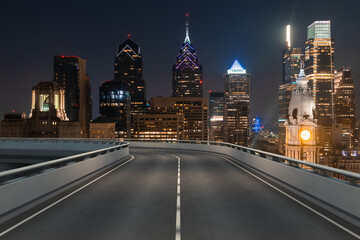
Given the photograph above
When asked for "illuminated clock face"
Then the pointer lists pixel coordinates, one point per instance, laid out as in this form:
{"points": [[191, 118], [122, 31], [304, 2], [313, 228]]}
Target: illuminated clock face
{"points": [[305, 135]]}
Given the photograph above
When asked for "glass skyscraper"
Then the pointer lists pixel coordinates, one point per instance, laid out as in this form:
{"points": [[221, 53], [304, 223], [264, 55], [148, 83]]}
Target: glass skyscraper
{"points": [[344, 100], [292, 58], [70, 73], [187, 72], [216, 116], [216, 104], [115, 104], [237, 105], [128, 70], [319, 69]]}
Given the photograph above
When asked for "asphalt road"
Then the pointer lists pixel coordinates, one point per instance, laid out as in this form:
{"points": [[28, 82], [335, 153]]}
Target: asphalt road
{"points": [[139, 201]]}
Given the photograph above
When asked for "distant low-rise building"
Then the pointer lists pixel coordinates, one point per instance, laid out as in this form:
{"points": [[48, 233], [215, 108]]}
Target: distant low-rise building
{"points": [[13, 125], [102, 127], [47, 119]]}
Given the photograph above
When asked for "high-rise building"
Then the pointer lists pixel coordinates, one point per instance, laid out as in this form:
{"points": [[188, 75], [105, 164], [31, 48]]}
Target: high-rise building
{"points": [[70, 73], [301, 127], [292, 58], [344, 101], [319, 69], [128, 69], [187, 71], [216, 104], [115, 104], [216, 125], [194, 109], [237, 105], [216, 116], [344, 98]]}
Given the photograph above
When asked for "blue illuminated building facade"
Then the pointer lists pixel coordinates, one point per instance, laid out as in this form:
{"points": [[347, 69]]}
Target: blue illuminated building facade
{"points": [[256, 125], [115, 104], [187, 72]]}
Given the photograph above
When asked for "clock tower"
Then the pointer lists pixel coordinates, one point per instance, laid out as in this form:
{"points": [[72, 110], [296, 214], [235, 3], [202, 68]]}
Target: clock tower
{"points": [[301, 123]]}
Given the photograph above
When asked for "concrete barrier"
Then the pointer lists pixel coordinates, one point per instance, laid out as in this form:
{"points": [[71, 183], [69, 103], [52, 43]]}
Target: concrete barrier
{"points": [[19, 195]]}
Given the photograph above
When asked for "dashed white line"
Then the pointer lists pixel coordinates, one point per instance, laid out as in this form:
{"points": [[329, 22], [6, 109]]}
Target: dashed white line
{"points": [[296, 200], [178, 209], [62, 199]]}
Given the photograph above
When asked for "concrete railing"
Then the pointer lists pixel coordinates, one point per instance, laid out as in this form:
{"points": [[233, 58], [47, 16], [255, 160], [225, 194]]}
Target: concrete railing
{"points": [[313, 182], [25, 187]]}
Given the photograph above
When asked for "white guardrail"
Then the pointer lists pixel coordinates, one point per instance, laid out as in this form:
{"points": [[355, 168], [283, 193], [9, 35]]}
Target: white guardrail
{"points": [[25, 187], [316, 183]]}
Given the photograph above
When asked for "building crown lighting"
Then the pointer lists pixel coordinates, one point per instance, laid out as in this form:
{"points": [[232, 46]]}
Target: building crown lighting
{"points": [[288, 40], [319, 30], [236, 68]]}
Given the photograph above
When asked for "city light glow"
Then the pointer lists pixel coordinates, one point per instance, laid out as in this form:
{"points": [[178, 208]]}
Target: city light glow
{"points": [[305, 135]]}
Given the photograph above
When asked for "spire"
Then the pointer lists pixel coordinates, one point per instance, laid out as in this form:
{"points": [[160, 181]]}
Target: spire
{"points": [[187, 38], [301, 80]]}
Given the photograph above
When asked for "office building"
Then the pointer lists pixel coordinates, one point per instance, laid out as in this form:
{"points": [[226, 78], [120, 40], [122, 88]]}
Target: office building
{"points": [[128, 70], [115, 104], [194, 110], [102, 127], [13, 125], [187, 71], [216, 104], [159, 126], [319, 69], [344, 101], [237, 105], [70, 73], [216, 126], [216, 116], [292, 58]]}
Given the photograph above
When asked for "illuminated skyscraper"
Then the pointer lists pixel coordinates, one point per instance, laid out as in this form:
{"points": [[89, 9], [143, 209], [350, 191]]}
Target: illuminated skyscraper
{"points": [[187, 72], [128, 69], [292, 58], [344, 100], [216, 104], [319, 68], [70, 73], [237, 105], [216, 116], [115, 104]]}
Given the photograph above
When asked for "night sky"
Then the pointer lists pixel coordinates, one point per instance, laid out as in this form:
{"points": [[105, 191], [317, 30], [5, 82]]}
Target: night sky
{"points": [[251, 31]]}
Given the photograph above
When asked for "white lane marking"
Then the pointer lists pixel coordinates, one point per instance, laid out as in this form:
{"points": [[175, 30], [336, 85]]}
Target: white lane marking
{"points": [[178, 210], [298, 201], [60, 200]]}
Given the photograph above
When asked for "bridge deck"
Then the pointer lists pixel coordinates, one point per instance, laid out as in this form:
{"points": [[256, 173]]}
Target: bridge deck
{"points": [[138, 201]]}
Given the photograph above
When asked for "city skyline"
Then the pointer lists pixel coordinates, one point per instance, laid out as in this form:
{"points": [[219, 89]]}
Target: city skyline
{"points": [[215, 58]]}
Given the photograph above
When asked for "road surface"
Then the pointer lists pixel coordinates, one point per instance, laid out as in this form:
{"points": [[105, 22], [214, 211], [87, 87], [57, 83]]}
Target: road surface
{"points": [[142, 199]]}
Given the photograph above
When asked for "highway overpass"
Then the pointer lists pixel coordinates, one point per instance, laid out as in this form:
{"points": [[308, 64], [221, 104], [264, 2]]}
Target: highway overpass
{"points": [[179, 190]]}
